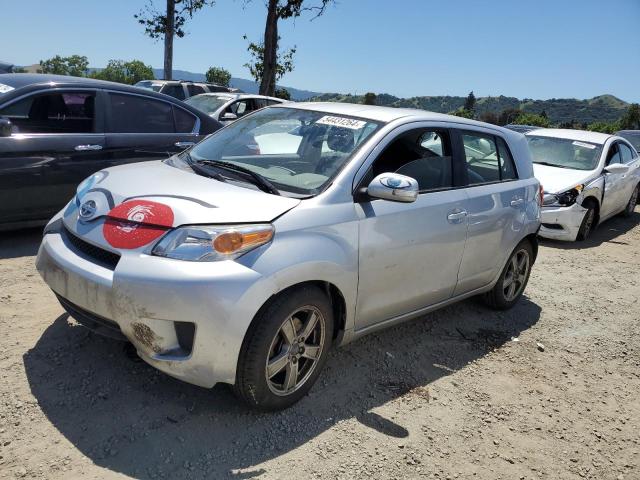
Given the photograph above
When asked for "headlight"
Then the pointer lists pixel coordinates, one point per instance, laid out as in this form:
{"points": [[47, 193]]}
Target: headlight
{"points": [[564, 199], [212, 243]]}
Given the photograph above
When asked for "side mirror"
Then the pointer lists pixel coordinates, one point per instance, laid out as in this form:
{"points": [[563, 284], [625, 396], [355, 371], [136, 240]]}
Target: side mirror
{"points": [[393, 187], [616, 168], [228, 117], [6, 127]]}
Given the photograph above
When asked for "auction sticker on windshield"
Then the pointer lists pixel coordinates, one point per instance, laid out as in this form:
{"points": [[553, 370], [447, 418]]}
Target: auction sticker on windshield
{"points": [[584, 145], [341, 122], [5, 88]]}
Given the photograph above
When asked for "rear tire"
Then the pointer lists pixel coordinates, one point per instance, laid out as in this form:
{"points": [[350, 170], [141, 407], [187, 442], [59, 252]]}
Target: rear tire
{"points": [[588, 222], [513, 279], [633, 200], [285, 349]]}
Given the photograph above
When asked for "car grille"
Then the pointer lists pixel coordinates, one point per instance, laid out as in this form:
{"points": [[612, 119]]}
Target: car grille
{"points": [[98, 255]]}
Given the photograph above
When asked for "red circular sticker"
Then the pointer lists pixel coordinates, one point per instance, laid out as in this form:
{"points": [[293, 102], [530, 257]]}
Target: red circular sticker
{"points": [[136, 223]]}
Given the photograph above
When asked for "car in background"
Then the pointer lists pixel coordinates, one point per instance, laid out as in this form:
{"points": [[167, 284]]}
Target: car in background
{"points": [[228, 107], [181, 89], [588, 177], [57, 130], [521, 128], [246, 269], [631, 136]]}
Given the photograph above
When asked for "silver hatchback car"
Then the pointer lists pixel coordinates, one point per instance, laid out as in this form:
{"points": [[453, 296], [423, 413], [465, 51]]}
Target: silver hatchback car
{"points": [[247, 257]]}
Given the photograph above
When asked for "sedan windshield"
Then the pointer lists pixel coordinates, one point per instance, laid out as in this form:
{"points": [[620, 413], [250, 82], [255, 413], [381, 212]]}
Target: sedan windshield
{"points": [[298, 151], [208, 103], [564, 153]]}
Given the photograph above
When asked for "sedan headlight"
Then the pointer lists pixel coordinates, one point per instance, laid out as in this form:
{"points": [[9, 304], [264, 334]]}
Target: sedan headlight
{"points": [[564, 199], [212, 243]]}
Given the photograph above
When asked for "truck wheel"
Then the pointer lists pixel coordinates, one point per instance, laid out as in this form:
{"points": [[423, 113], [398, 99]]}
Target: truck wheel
{"points": [[285, 349], [513, 280]]}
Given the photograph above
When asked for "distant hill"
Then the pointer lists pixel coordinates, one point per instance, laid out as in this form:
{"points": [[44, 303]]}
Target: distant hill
{"points": [[248, 86], [604, 108]]}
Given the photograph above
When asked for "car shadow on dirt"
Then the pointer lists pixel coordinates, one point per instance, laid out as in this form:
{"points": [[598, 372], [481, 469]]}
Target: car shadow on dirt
{"points": [[20, 243], [607, 232], [129, 418]]}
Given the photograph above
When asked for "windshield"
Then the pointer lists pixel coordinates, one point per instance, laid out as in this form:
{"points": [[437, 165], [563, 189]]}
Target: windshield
{"points": [[147, 85], [564, 153], [298, 151], [207, 103]]}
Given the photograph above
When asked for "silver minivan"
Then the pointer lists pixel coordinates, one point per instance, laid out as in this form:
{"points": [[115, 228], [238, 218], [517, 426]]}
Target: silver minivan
{"points": [[299, 227]]}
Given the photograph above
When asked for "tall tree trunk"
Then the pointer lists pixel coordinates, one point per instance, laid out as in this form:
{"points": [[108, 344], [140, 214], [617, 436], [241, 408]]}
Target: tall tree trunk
{"points": [[268, 83], [168, 39]]}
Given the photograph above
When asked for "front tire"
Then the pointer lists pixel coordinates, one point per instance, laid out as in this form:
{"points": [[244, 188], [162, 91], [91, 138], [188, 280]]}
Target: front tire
{"points": [[513, 279], [631, 206], [285, 349], [588, 222]]}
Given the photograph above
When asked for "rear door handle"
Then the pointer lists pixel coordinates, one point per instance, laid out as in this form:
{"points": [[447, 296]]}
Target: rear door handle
{"points": [[184, 144], [87, 148], [457, 217], [517, 203]]}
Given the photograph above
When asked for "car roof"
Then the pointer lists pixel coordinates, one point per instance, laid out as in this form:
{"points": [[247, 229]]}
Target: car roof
{"points": [[569, 134], [387, 114], [234, 96], [19, 80]]}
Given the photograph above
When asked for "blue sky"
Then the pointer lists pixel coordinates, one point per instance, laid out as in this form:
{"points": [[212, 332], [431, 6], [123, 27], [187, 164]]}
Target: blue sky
{"points": [[535, 49]]}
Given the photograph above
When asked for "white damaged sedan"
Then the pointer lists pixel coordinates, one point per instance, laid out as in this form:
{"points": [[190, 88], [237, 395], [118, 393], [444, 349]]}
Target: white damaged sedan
{"points": [[587, 177]]}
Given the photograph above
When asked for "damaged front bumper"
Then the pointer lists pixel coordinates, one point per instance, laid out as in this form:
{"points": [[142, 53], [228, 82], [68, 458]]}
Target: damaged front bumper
{"points": [[561, 223], [188, 319]]}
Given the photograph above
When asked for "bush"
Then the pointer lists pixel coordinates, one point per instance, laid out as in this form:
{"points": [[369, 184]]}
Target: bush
{"points": [[219, 76]]}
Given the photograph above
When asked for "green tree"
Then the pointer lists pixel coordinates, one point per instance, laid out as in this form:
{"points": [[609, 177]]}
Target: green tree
{"points": [[370, 98], [283, 93], [168, 24], [269, 60], [470, 102], [284, 64], [18, 70], [75, 65], [489, 117], [508, 115], [604, 127], [219, 76], [464, 113], [125, 72], [531, 119], [631, 118]]}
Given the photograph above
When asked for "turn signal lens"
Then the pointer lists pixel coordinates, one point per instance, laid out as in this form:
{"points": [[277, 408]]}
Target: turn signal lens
{"points": [[230, 242]]}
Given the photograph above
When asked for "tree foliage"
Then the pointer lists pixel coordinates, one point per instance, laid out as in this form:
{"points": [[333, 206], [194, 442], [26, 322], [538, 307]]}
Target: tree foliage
{"points": [[219, 76], [169, 23], [125, 72], [75, 65], [464, 113], [470, 102], [284, 63], [268, 65], [631, 118], [531, 119], [283, 93], [604, 127], [370, 98]]}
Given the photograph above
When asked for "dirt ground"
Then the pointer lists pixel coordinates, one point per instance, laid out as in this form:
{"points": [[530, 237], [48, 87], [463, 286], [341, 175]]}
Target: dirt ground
{"points": [[547, 390]]}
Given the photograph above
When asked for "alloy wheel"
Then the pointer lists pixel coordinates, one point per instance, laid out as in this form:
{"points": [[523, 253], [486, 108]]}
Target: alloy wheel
{"points": [[295, 350], [516, 275]]}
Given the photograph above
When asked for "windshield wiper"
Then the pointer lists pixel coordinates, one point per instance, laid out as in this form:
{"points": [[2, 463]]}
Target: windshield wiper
{"points": [[547, 164], [202, 171], [257, 179]]}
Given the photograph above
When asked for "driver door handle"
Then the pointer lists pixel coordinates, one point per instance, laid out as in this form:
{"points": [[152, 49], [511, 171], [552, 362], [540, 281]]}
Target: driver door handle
{"points": [[518, 202], [184, 144], [87, 148], [457, 217]]}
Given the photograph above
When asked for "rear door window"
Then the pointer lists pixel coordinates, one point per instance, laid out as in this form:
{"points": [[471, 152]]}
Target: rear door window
{"points": [[59, 112], [137, 114], [481, 155], [185, 121], [195, 90], [176, 91]]}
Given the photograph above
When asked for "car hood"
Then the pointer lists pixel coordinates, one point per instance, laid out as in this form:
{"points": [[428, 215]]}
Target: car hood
{"points": [[157, 196], [557, 180]]}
